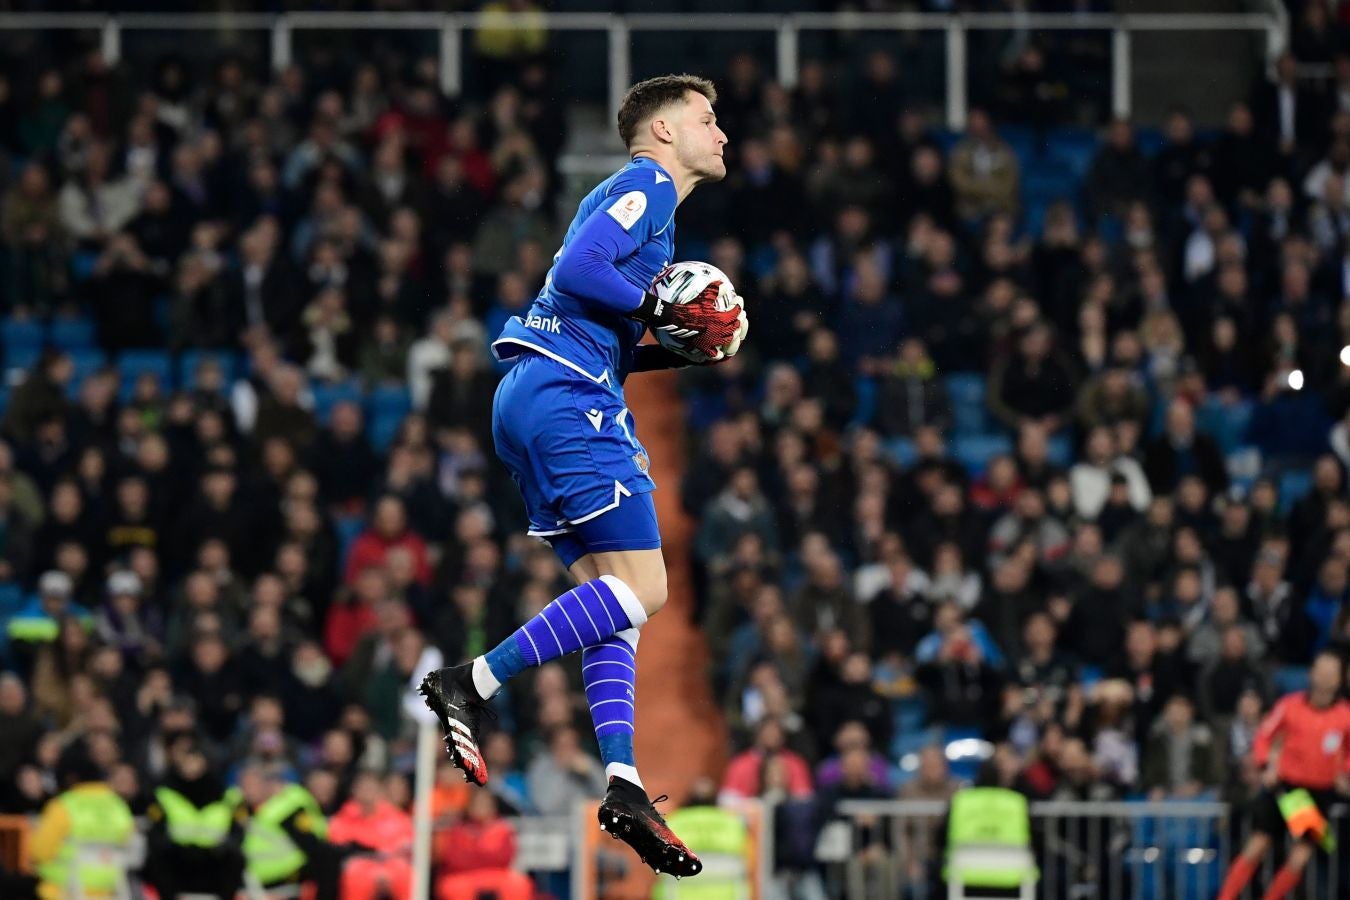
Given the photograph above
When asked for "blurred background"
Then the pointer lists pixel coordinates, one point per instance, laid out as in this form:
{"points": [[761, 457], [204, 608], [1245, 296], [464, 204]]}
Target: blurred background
{"points": [[1031, 474]]}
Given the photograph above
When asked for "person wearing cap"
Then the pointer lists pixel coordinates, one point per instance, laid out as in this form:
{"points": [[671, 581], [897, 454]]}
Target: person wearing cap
{"points": [[87, 813], [196, 828], [39, 620], [125, 622]]}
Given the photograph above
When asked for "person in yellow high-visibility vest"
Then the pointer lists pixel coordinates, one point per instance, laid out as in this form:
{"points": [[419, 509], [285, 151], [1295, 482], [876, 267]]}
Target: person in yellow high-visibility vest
{"points": [[996, 818], [721, 840], [286, 840], [196, 828], [88, 812]]}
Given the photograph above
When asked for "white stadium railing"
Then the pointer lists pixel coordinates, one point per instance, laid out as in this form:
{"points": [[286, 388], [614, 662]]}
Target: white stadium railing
{"points": [[619, 28]]}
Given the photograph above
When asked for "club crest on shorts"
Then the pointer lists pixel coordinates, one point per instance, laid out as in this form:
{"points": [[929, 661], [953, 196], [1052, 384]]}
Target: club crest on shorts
{"points": [[640, 460]]}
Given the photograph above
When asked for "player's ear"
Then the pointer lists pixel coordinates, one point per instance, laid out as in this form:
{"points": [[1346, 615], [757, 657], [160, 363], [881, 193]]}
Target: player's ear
{"points": [[662, 130]]}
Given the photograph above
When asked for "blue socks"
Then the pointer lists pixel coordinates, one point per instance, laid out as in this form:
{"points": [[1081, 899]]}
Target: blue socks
{"points": [[585, 616], [609, 672]]}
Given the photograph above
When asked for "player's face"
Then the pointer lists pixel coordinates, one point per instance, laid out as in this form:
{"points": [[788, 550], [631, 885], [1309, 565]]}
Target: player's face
{"points": [[1325, 676], [699, 143]]}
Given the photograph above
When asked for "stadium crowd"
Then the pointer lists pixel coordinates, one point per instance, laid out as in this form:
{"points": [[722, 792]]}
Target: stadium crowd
{"points": [[1060, 464]]}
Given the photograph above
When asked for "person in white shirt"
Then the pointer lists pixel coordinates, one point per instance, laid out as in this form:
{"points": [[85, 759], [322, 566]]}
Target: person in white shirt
{"points": [[1090, 479]]}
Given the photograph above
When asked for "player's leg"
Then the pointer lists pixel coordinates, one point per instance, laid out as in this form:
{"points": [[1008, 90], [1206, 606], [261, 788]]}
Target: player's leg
{"points": [[1244, 866], [1291, 873], [571, 476], [1266, 820], [609, 673], [589, 615]]}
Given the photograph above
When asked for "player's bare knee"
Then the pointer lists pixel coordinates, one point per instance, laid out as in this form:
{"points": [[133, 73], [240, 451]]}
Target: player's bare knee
{"points": [[1256, 847], [652, 592], [642, 571]]}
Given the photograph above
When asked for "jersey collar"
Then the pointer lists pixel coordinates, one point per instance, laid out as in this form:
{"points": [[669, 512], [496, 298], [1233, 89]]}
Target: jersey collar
{"points": [[648, 162]]}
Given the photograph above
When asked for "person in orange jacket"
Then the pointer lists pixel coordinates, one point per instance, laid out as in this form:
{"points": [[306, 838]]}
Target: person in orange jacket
{"points": [[368, 820]]}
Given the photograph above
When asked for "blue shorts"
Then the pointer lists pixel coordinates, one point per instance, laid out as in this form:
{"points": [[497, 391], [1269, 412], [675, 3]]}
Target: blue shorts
{"points": [[571, 447]]}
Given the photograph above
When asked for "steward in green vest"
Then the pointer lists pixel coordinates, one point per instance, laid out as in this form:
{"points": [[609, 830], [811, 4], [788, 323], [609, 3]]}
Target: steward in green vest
{"points": [[87, 813], [990, 817], [722, 842], [286, 838], [196, 839]]}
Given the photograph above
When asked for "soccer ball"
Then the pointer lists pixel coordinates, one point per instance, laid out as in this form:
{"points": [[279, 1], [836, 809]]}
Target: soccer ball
{"points": [[682, 282]]}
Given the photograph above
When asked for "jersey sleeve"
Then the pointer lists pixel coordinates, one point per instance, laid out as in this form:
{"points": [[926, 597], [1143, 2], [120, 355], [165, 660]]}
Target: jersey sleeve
{"points": [[625, 219], [1272, 726], [642, 201]]}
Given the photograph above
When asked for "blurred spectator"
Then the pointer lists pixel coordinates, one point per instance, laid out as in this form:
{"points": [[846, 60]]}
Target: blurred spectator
{"points": [[385, 835], [562, 777], [389, 530], [910, 394], [746, 772], [1032, 384], [1182, 755], [984, 171], [1119, 173]]}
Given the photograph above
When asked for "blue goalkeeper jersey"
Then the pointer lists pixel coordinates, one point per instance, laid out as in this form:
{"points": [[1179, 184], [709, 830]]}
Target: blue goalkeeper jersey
{"points": [[593, 334]]}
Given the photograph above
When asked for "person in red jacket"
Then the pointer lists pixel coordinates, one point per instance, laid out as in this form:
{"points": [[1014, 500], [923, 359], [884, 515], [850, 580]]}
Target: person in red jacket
{"points": [[388, 529], [1312, 731], [476, 853], [743, 776], [481, 840], [370, 821]]}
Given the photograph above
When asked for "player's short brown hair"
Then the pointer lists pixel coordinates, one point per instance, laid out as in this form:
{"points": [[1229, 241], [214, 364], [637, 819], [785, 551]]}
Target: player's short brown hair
{"points": [[646, 97]]}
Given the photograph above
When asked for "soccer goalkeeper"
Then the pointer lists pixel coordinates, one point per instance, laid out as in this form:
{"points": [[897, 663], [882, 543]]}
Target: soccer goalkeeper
{"points": [[562, 428]]}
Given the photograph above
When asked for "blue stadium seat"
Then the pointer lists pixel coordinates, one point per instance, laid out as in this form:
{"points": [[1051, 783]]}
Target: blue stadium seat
{"points": [[1060, 450], [326, 396], [347, 528], [1048, 182], [945, 139], [389, 400], [1244, 467], [975, 451], [382, 428], [191, 359], [1226, 424], [73, 333], [1294, 484], [1072, 149], [966, 390], [1149, 140], [21, 359], [22, 335], [1033, 217], [1023, 141], [901, 450], [86, 362], [134, 363], [866, 406], [1289, 679]]}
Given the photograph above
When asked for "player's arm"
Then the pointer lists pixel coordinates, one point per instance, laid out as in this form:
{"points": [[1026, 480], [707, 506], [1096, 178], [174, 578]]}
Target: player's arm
{"points": [[588, 269], [654, 357], [1270, 730]]}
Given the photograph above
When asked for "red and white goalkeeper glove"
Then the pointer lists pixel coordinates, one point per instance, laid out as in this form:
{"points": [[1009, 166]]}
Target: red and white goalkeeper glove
{"points": [[698, 323]]}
